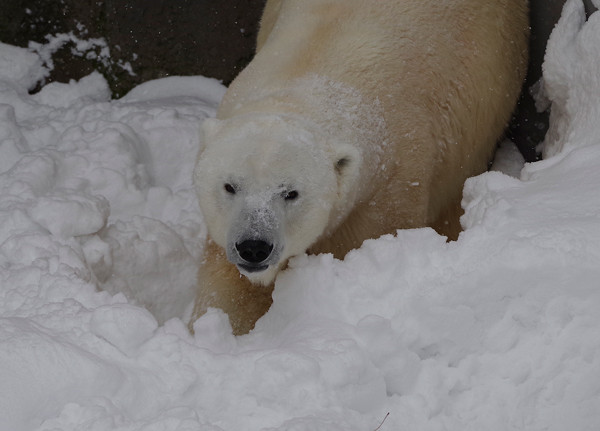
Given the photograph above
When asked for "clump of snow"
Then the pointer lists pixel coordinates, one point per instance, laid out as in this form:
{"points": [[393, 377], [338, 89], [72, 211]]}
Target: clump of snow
{"points": [[100, 235], [508, 159], [570, 81], [60, 95], [20, 67], [80, 46]]}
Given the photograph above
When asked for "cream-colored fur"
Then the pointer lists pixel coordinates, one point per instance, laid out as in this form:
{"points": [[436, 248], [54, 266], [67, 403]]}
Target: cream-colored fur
{"points": [[415, 92]]}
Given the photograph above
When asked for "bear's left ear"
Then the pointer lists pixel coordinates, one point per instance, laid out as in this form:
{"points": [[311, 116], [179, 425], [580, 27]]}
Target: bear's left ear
{"points": [[347, 162], [346, 158]]}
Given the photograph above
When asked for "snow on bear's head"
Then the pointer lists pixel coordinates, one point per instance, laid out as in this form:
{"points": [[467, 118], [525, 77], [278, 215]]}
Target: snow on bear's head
{"points": [[267, 188]]}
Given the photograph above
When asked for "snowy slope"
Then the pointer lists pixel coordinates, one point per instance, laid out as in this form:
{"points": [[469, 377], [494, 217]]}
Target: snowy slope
{"points": [[100, 235]]}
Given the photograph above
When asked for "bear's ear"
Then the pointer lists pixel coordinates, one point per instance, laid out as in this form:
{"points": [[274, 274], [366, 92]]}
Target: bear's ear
{"points": [[346, 159], [341, 163], [347, 163], [210, 127]]}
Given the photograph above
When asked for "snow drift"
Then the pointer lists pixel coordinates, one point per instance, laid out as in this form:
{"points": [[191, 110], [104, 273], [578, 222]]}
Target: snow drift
{"points": [[99, 242]]}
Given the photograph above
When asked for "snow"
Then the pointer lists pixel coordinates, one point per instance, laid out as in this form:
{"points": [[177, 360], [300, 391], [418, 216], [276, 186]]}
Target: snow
{"points": [[100, 235], [90, 48]]}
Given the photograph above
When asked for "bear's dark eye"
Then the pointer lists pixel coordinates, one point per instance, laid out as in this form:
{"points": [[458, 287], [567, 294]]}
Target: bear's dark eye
{"points": [[291, 195], [229, 189]]}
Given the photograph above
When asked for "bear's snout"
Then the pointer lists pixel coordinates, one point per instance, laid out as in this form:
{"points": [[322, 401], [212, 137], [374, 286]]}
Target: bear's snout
{"points": [[254, 253], [255, 244]]}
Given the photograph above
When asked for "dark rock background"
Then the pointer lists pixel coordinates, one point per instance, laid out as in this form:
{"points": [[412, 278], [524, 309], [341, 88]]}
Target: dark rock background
{"points": [[158, 38]]}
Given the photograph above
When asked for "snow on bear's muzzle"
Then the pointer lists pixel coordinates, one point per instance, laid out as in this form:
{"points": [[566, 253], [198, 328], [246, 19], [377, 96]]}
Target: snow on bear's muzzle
{"points": [[254, 243]]}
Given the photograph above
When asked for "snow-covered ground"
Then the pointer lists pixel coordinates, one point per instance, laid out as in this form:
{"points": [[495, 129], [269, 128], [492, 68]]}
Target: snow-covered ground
{"points": [[100, 234]]}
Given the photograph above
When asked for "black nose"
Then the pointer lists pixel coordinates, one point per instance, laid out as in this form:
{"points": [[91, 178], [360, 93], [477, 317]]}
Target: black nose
{"points": [[254, 251]]}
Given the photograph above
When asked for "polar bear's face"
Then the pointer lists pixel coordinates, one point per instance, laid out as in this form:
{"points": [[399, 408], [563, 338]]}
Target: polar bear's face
{"points": [[266, 189]]}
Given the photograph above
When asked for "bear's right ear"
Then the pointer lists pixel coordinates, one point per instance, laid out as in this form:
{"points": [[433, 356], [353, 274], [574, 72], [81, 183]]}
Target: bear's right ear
{"points": [[209, 129]]}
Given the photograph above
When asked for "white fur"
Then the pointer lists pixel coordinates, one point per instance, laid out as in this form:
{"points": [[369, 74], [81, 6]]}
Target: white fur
{"points": [[262, 168], [374, 111]]}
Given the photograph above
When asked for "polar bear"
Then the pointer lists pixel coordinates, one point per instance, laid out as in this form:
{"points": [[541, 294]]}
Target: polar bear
{"points": [[355, 118]]}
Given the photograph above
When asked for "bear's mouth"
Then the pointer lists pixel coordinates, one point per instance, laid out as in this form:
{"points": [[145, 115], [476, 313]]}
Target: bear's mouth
{"points": [[252, 268]]}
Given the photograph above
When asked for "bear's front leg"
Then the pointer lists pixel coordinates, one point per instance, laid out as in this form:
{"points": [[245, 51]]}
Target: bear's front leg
{"points": [[220, 285]]}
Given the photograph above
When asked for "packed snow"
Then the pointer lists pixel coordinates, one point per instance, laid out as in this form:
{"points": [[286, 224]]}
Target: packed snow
{"points": [[100, 236]]}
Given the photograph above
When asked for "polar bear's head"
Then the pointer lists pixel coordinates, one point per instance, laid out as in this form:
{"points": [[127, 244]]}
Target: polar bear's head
{"points": [[268, 189]]}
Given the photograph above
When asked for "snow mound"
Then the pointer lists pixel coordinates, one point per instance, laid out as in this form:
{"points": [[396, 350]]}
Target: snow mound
{"points": [[100, 235]]}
